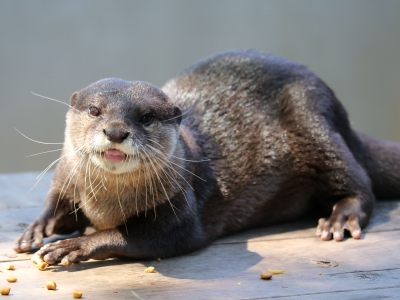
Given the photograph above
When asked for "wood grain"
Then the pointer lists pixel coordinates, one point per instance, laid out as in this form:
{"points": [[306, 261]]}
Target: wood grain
{"points": [[228, 269]]}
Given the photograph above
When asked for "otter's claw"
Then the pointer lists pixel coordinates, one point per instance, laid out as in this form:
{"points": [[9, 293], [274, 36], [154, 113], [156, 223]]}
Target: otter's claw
{"points": [[65, 251], [336, 225], [34, 234]]}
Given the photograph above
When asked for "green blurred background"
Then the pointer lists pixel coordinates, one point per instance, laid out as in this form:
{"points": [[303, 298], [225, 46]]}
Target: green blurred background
{"points": [[54, 48]]}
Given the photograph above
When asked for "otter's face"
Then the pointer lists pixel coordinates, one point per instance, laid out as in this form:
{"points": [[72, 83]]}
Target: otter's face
{"points": [[119, 125]]}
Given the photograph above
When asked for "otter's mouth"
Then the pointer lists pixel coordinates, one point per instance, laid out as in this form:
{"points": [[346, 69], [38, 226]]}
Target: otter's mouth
{"points": [[114, 156]]}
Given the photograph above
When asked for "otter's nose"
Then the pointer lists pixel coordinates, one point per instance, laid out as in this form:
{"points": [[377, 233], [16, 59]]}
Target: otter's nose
{"points": [[115, 135]]}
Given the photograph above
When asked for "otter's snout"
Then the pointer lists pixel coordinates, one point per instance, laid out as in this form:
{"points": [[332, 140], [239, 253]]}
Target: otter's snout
{"points": [[115, 134]]}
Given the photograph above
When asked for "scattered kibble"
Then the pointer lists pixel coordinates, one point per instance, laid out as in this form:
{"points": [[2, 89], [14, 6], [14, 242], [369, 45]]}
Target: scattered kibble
{"points": [[149, 269], [10, 267], [159, 259], [11, 279], [65, 262], [239, 283], [265, 275], [51, 285], [77, 294], [319, 273], [5, 290], [40, 264], [276, 272]]}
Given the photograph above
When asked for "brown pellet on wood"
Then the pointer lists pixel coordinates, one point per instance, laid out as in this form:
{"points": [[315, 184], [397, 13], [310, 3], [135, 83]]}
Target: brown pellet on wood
{"points": [[265, 275], [11, 279], [51, 285], [5, 290], [41, 265], [10, 267], [77, 294]]}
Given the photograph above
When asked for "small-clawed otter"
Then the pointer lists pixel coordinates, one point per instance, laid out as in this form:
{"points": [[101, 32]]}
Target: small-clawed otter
{"points": [[240, 139]]}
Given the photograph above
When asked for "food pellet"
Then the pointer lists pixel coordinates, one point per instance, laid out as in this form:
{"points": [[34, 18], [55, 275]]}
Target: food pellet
{"points": [[5, 290], [51, 285], [41, 265], [276, 272], [65, 262], [10, 267], [149, 269], [77, 294], [265, 275], [159, 259], [11, 279]]}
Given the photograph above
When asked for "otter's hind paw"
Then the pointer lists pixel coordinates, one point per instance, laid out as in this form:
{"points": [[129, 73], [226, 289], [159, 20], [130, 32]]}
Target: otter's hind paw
{"points": [[347, 215], [327, 227]]}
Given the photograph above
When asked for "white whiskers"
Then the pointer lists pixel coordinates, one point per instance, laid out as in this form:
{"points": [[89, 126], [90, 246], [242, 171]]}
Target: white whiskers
{"points": [[54, 100]]}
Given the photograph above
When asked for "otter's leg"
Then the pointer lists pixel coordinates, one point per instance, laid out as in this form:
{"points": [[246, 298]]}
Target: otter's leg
{"points": [[349, 185], [163, 233], [137, 243], [57, 218]]}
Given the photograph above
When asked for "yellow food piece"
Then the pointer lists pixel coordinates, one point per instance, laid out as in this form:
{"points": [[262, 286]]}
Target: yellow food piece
{"points": [[77, 294], [41, 265], [5, 290], [51, 285], [10, 267], [265, 275], [65, 262], [276, 272], [11, 279], [149, 269]]}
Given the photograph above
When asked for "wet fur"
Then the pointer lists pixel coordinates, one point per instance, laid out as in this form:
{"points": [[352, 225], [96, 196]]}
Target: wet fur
{"points": [[257, 140]]}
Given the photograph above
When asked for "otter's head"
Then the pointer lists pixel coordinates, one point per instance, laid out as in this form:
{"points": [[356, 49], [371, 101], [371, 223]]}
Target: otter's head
{"points": [[119, 125]]}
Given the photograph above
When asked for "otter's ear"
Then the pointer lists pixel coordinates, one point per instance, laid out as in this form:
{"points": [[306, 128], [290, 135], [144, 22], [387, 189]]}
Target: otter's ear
{"points": [[73, 99], [177, 114]]}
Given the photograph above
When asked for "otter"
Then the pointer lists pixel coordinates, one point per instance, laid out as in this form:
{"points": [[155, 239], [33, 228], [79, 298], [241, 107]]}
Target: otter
{"points": [[237, 140]]}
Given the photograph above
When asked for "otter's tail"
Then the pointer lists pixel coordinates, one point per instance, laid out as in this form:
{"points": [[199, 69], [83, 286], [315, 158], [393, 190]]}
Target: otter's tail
{"points": [[382, 162]]}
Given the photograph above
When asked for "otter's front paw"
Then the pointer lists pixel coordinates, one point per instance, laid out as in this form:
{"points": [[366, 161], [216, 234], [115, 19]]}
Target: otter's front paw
{"points": [[66, 251], [41, 227], [347, 215]]}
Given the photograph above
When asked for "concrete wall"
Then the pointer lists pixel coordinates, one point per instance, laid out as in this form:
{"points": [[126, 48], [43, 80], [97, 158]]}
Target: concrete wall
{"points": [[56, 47]]}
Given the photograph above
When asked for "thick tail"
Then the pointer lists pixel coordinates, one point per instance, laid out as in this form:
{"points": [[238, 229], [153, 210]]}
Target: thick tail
{"points": [[381, 159]]}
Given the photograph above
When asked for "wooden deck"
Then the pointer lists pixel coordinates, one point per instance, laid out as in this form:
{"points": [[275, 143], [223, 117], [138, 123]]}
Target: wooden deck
{"points": [[228, 269]]}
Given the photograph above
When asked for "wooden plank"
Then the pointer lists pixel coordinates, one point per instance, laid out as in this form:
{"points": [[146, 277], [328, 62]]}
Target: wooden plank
{"points": [[364, 268], [20, 189], [214, 273]]}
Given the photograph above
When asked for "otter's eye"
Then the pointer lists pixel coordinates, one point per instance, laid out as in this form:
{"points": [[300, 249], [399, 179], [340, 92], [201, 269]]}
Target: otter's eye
{"points": [[147, 119], [93, 111]]}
